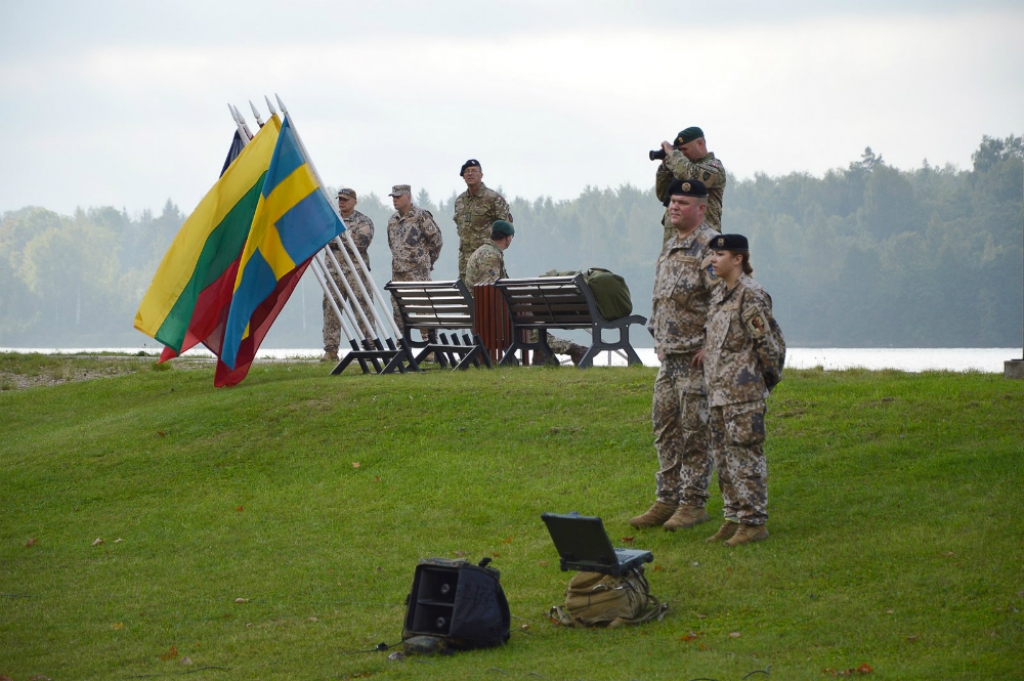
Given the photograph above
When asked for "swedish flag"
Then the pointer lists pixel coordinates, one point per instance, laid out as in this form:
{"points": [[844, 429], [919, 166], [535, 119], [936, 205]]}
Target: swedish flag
{"points": [[293, 220]]}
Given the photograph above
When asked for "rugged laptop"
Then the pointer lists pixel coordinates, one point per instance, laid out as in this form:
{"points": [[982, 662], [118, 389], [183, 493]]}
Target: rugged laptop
{"points": [[583, 544]]}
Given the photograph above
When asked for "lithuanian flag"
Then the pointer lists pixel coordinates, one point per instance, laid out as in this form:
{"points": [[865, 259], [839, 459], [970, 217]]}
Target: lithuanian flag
{"points": [[293, 220], [194, 282]]}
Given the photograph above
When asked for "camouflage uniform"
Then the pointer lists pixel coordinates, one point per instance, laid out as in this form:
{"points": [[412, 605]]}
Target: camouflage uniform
{"points": [[361, 229], [415, 243], [708, 170], [737, 344], [474, 215], [486, 266], [679, 413]]}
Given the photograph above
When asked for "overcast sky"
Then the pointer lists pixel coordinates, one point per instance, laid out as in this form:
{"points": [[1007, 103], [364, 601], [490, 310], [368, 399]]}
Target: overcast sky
{"points": [[124, 103]]}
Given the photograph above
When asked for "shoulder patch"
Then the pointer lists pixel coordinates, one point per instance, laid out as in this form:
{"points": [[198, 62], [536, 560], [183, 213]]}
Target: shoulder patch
{"points": [[757, 324]]}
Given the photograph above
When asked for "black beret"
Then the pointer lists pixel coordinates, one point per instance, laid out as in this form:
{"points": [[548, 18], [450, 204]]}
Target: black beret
{"points": [[686, 188], [688, 135], [471, 163], [729, 242], [503, 227]]}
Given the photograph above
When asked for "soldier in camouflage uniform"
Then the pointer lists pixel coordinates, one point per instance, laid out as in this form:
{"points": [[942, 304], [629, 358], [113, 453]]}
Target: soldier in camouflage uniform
{"points": [[360, 228], [743, 344], [414, 239], [476, 209], [688, 158], [487, 265], [682, 290]]}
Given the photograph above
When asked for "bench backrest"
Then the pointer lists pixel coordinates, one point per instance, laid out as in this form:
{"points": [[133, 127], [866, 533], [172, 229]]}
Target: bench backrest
{"points": [[562, 302], [433, 304]]}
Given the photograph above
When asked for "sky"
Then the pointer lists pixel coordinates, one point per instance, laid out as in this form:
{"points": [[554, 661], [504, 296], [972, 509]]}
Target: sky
{"points": [[125, 103]]}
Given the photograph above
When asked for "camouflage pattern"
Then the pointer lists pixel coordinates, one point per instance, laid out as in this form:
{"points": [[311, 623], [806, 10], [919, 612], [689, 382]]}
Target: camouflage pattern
{"points": [[474, 215], [682, 291], [738, 343], [679, 413], [415, 243], [708, 170], [485, 266], [361, 229], [737, 434], [679, 416]]}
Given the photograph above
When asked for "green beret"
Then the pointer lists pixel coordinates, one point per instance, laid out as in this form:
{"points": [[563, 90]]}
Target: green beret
{"points": [[503, 227], [688, 135]]}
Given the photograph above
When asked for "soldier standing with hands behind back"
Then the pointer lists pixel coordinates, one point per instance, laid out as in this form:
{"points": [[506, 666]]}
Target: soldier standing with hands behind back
{"points": [[688, 158], [476, 209], [414, 239]]}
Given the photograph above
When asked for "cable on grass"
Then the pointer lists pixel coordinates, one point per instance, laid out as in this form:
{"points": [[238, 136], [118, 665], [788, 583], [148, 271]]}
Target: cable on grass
{"points": [[188, 671], [379, 648], [767, 671]]}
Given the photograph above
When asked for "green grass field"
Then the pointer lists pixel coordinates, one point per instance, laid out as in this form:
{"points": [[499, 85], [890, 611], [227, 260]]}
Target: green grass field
{"points": [[894, 500]]}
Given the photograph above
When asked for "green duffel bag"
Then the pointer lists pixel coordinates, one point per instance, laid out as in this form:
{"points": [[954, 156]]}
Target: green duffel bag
{"points": [[610, 291]]}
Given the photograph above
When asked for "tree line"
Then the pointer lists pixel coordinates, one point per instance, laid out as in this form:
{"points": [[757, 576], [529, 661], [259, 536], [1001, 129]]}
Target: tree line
{"points": [[863, 256]]}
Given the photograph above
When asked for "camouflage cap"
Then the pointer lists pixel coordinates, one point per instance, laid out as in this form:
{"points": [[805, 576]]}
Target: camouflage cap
{"points": [[694, 188], [400, 190], [729, 242], [346, 193], [503, 227], [688, 135], [471, 163]]}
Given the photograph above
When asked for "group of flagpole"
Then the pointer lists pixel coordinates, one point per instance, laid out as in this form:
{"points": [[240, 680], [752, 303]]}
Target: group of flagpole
{"points": [[352, 318]]}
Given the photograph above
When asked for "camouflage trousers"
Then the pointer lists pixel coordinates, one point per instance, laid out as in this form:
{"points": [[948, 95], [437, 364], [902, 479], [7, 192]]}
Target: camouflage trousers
{"points": [[408, 275], [466, 249], [737, 431], [679, 414], [332, 327], [559, 346]]}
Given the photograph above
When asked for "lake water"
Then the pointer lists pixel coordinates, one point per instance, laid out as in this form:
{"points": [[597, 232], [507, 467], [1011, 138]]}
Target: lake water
{"points": [[986, 360]]}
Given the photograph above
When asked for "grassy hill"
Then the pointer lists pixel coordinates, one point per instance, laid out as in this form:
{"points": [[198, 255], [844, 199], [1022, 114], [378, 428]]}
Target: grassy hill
{"points": [[271, 531]]}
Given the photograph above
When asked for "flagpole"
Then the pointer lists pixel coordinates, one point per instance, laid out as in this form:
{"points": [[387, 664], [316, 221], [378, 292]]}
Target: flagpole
{"points": [[238, 124], [359, 257], [348, 288], [344, 323]]}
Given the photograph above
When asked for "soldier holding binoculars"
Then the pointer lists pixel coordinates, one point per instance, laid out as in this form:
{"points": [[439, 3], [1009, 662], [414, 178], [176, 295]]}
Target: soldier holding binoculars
{"points": [[688, 158]]}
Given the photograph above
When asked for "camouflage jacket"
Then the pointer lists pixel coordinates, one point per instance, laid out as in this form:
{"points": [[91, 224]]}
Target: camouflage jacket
{"points": [[415, 241], [682, 290], [485, 266], [708, 170], [739, 343], [360, 228], [474, 216]]}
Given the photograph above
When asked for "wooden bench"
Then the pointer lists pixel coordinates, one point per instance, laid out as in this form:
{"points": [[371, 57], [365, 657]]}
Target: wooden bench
{"points": [[433, 308], [561, 303]]}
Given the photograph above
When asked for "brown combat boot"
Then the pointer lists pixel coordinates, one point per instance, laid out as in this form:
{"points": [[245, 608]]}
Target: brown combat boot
{"points": [[685, 517], [655, 515], [746, 534], [726, 531], [576, 353], [329, 356]]}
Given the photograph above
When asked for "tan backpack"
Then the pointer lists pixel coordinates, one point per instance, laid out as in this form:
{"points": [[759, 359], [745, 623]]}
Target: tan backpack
{"points": [[593, 599]]}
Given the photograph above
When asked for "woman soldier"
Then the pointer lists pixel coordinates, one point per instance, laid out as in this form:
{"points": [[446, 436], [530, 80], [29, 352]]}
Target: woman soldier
{"points": [[742, 356]]}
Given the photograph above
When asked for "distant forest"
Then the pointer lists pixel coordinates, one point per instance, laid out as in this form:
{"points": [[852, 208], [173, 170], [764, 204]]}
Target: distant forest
{"points": [[865, 256]]}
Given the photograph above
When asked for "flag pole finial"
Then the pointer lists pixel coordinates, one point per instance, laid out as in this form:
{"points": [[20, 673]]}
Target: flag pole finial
{"points": [[270, 106], [284, 109], [256, 113]]}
